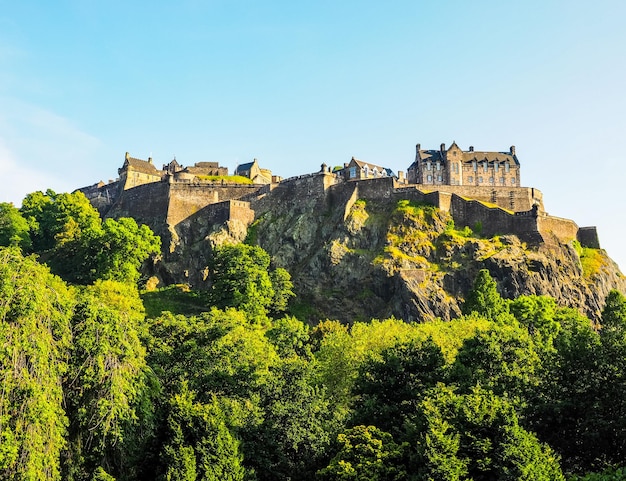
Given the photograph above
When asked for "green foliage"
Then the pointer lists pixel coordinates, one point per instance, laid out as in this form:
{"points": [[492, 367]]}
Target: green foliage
{"points": [[592, 261], [227, 179], [290, 337], [477, 436], [14, 229], [199, 444], [610, 474], [107, 376], [502, 359], [66, 230], [121, 248], [240, 278], [366, 454], [176, 298], [35, 308], [389, 389], [484, 298]]}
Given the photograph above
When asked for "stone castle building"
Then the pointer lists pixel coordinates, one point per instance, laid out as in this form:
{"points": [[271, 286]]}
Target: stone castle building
{"points": [[454, 166], [476, 187]]}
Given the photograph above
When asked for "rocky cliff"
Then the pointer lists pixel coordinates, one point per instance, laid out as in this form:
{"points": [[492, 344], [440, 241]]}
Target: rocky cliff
{"points": [[354, 258]]}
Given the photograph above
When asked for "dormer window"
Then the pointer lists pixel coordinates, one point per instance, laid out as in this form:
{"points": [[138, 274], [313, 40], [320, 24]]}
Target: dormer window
{"points": [[475, 165], [507, 167], [485, 166], [496, 166]]}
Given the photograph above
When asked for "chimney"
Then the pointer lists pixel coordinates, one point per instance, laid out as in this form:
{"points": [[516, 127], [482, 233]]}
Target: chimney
{"points": [[149, 160], [471, 148], [512, 150], [443, 148], [345, 165], [418, 147], [127, 156]]}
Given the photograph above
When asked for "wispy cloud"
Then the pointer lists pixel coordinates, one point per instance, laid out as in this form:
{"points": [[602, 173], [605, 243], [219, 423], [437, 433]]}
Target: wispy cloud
{"points": [[40, 149]]}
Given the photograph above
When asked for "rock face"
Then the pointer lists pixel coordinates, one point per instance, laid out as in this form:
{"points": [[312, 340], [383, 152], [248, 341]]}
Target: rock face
{"points": [[399, 258], [363, 250]]}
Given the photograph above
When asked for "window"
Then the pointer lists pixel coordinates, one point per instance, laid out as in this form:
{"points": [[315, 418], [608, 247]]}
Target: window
{"points": [[352, 172], [470, 179], [512, 180], [507, 167], [455, 168], [491, 180], [439, 178], [485, 166], [480, 180], [496, 166], [474, 166], [429, 178], [428, 166], [438, 166], [501, 180]]}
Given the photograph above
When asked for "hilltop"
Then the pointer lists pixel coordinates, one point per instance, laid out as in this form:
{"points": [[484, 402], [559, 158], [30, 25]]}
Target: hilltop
{"points": [[361, 241]]}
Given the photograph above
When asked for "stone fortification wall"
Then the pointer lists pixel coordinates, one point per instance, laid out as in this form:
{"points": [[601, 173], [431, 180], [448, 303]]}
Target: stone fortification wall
{"points": [[588, 237], [224, 211], [492, 221], [517, 199], [187, 199], [303, 188], [147, 204], [564, 230]]}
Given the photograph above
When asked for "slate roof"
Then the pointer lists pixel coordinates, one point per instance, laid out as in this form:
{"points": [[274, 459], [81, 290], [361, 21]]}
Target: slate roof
{"points": [[243, 168], [470, 155], [143, 166], [362, 164]]}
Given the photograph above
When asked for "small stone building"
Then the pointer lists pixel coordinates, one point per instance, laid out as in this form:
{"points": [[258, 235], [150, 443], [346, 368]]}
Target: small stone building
{"points": [[256, 174], [136, 172], [454, 166], [358, 169]]}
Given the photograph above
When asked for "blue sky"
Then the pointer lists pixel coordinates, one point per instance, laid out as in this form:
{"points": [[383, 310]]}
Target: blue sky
{"points": [[295, 84]]}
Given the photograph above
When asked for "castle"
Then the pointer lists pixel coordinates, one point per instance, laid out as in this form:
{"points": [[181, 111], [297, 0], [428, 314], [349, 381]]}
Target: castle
{"points": [[476, 187]]}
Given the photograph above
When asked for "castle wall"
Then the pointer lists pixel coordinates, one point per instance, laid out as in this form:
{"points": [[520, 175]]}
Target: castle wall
{"points": [[187, 199], [564, 230], [147, 204], [588, 237]]}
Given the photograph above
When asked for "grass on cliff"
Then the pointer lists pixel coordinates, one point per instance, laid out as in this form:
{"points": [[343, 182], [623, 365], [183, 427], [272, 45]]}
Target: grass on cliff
{"points": [[227, 179], [177, 299], [592, 260]]}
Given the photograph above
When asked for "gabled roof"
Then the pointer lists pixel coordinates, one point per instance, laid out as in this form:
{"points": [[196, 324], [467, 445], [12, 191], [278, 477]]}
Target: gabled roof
{"points": [[469, 156], [139, 165], [244, 167], [362, 164]]}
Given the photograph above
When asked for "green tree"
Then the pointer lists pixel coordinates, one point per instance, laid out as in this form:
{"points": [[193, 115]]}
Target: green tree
{"points": [[68, 234], [35, 309], [477, 436], [366, 454], [14, 229], [107, 380], [388, 390], [121, 249], [295, 433], [241, 278], [199, 444], [59, 219], [484, 298], [502, 359]]}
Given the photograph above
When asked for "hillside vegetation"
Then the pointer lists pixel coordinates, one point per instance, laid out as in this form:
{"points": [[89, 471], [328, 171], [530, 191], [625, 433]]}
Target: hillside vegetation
{"points": [[102, 381]]}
